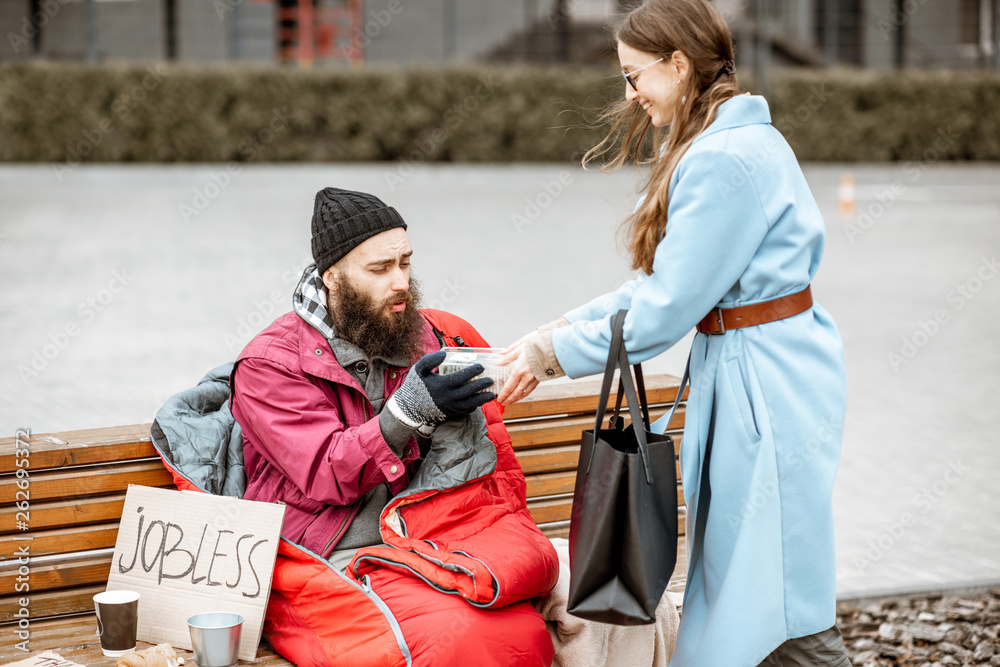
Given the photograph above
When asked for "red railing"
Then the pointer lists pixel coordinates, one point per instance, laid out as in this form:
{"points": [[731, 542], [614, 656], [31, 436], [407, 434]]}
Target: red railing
{"points": [[309, 34]]}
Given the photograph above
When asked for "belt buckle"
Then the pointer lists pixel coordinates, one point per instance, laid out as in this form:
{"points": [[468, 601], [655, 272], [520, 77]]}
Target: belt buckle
{"points": [[722, 323]]}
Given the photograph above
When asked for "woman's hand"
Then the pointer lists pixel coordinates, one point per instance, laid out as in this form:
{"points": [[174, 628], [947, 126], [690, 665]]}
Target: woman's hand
{"points": [[521, 380]]}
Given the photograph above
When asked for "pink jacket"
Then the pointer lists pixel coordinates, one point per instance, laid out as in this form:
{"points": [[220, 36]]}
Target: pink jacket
{"points": [[288, 387]]}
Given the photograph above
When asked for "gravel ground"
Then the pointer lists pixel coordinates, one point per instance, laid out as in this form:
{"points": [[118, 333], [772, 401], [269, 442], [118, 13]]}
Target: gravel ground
{"points": [[934, 630]]}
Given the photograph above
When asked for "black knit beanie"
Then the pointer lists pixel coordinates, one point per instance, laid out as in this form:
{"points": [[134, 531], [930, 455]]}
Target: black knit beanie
{"points": [[343, 219]]}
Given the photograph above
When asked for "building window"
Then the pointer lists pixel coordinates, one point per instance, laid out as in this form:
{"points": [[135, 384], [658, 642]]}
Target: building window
{"points": [[170, 17], [838, 29], [970, 21], [36, 40]]}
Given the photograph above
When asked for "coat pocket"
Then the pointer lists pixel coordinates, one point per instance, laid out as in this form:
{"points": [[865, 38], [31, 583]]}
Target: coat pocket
{"points": [[740, 387]]}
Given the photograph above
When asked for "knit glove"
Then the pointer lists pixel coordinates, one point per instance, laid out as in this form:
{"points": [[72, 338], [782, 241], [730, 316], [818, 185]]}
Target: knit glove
{"points": [[427, 398]]}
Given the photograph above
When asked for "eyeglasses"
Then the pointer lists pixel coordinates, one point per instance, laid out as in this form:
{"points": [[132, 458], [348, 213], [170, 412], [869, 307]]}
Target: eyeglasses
{"points": [[628, 75]]}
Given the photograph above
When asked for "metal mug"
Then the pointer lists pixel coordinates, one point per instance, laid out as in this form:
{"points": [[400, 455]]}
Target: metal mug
{"points": [[215, 637]]}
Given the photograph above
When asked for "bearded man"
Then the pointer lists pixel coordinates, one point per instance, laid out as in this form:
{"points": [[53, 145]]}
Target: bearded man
{"points": [[401, 490]]}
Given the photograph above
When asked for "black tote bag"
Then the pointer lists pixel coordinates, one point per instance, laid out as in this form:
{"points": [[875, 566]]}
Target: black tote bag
{"points": [[623, 530]]}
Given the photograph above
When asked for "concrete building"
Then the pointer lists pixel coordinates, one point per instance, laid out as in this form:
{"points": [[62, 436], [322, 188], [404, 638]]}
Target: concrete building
{"points": [[874, 34], [957, 34], [137, 30]]}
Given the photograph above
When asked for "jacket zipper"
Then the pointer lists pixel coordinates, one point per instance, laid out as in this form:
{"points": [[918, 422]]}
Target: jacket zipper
{"points": [[355, 506], [327, 550], [366, 587]]}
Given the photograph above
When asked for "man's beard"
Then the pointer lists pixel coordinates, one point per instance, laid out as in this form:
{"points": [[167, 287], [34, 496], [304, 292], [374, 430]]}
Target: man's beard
{"points": [[376, 329]]}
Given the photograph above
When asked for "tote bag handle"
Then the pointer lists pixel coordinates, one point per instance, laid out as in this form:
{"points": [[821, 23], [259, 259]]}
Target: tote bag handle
{"points": [[660, 425], [640, 387], [617, 356]]}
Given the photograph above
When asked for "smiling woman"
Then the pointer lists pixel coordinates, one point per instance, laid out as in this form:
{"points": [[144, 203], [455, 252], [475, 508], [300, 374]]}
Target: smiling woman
{"points": [[728, 238], [685, 52]]}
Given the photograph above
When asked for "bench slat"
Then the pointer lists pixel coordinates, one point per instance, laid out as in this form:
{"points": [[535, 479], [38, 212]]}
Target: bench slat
{"points": [[556, 529], [53, 456], [89, 481], [560, 527], [578, 397], [547, 511], [46, 604], [96, 445], [556, 483], [558, 459], [64, 573], [550, 459], [46, 515], [551, 484], [566, 430], [61, 541]]}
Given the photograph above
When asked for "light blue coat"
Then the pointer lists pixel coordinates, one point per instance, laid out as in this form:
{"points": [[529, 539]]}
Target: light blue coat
{"points": [[742, 228]]}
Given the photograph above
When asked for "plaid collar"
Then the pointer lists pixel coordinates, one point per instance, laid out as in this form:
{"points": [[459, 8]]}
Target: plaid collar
{"points": [[309, 301]]}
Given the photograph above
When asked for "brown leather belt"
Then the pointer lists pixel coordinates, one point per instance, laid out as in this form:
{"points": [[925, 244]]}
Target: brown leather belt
{"points": [[721, 320]]}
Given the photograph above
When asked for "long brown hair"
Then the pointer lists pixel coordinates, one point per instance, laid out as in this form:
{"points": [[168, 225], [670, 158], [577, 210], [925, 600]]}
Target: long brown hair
{"points": [[660, 27]]}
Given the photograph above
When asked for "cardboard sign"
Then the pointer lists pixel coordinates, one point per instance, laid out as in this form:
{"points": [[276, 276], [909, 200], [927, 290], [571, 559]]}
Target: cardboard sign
{"points": [[46, 659], [186, 553]]}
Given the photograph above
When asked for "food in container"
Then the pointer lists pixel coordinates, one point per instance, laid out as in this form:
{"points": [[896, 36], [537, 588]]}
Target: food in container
{"points": [[457, 358]]}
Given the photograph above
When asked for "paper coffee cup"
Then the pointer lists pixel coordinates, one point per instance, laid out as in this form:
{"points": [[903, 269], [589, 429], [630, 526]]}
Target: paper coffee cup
{"points": [[117, 617]]}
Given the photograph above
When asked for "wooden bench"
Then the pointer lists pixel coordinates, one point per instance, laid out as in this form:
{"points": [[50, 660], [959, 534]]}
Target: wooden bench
{"points": [[75, 489]]}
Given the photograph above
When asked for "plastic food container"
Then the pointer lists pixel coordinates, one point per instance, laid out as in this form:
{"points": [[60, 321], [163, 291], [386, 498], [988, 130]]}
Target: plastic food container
{"points": [[457, 358]]}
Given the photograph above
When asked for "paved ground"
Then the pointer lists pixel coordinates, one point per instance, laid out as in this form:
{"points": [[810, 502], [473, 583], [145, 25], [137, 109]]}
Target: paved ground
{"points": [[122, 285]]}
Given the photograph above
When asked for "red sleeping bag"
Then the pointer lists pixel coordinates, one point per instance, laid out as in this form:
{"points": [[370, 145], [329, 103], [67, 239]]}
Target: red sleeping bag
{"points": [[452, 586]]}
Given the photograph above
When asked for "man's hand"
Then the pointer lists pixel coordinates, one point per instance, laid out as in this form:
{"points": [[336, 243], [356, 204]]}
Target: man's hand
{"points": [[427, 398]]}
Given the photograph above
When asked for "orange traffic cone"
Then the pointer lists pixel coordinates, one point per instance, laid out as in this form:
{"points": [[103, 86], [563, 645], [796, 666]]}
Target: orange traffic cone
{"points": [[847, 205]]}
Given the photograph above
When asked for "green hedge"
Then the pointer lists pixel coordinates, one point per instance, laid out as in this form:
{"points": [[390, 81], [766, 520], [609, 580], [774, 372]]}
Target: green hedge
{"points": [[166, 113]]}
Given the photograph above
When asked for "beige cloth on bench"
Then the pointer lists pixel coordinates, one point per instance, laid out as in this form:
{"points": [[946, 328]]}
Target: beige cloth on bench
{"points": [[581, 643]]}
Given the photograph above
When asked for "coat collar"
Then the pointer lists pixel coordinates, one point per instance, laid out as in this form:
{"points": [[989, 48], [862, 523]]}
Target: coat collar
{"points": [[739, 111], [316, 357]]}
